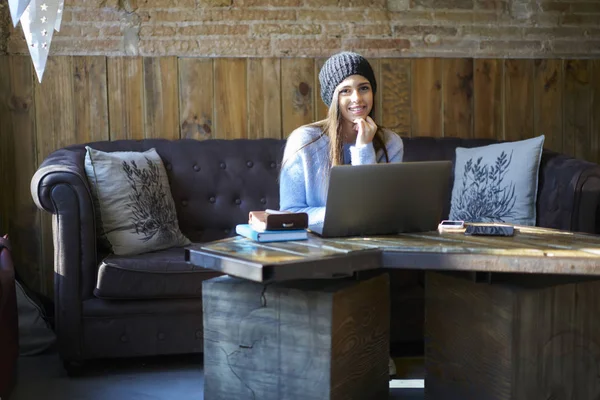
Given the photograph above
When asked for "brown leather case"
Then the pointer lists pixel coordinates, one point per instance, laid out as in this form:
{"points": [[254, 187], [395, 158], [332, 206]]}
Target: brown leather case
{"points": [[263, 220]]}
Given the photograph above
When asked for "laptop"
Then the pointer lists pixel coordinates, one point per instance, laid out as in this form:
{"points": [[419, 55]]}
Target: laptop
{"points": [[380, 199]]}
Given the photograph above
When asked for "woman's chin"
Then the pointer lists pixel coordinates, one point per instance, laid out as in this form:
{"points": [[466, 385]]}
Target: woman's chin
{"points": [[356, 115]]}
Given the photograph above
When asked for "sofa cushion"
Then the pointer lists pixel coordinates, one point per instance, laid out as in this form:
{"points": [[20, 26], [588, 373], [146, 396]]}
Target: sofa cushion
{"points": [[214, 183], [154, 275], [132, 193], [497, 183]]}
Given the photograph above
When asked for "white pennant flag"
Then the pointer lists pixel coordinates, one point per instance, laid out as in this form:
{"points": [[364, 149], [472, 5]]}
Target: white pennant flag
{"points": [[38, 22], [59, 14], [17, 7]]}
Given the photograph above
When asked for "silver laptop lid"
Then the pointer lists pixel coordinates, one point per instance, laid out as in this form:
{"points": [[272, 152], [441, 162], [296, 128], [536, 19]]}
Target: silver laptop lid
{"points": [[390, 198]]}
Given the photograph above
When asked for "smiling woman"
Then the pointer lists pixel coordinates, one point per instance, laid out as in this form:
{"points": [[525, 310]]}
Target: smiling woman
{"points": [[348, 135], [355, 99]]}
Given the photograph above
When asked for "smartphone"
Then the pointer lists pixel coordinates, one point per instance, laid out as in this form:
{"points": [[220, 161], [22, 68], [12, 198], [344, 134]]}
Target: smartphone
{"points": [[490, 230], [450, 226]]}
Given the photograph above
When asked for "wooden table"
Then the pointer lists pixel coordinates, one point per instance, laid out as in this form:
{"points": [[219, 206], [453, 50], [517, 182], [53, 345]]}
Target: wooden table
{"points": [[506, 318]]}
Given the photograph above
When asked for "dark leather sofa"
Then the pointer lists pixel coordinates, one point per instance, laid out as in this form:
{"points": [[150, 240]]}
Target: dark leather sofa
{"points": [[151, 304], [9, 327]]}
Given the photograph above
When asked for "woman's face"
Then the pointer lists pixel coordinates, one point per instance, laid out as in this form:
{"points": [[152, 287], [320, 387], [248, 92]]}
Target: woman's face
{"points": [[355, 97]]}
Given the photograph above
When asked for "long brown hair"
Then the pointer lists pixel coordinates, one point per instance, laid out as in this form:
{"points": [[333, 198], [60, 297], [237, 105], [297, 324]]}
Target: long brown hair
{"points": [[331, 126]]}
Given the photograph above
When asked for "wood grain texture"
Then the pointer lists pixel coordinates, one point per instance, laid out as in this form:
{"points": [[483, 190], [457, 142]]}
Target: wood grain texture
{"points": [[517, 338], [6, 138], [264, 98], [271, 262], [572, 344], [488, 107], [320, 107], [125, 97], [248, 250], [547, 254], [377, 99], [90, 99], [595, 121], [297, 87], [468, 351], [55, 119], [577, 111], [23, 216], [457, 81], [518, 101], [531, 250], [395, 89], [538, 312], [426, 94], [360, 340], [55, 128], [548, 107], [161, 98], [196, 98], [323, 339], [231, 96]]}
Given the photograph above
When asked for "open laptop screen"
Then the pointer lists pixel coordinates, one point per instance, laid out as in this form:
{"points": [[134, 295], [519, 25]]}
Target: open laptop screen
{"points": [[390, 198]]}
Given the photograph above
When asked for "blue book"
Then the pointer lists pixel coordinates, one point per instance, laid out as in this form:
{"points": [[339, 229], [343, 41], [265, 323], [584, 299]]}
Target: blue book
{"points": [[270, 236]]}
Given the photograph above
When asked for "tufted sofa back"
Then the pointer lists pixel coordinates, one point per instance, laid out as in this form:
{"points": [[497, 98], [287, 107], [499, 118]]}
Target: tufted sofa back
{"points": [[214, 183], [421, 148]]}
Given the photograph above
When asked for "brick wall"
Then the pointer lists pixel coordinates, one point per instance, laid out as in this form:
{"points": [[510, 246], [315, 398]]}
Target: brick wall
{"points": [[313, 28]]}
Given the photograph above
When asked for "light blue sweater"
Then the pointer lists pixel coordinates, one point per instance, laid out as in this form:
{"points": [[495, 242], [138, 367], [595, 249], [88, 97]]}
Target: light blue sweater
{"points": [[303, 186]]}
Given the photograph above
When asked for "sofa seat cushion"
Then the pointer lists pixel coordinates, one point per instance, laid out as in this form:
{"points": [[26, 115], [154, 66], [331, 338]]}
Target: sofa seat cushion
{"points": [[159, 274]]}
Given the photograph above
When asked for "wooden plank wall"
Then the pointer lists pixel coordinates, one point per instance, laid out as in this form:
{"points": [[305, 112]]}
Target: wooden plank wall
{"points": [[106, 98]]}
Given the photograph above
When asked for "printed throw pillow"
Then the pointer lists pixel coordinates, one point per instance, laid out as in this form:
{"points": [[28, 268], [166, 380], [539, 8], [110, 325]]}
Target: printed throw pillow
{"points": [[497, 183], [133, 198]]}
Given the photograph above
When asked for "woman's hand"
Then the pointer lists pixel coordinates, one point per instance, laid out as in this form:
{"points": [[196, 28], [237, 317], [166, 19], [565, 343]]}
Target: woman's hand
{"points": [[366, 129]]}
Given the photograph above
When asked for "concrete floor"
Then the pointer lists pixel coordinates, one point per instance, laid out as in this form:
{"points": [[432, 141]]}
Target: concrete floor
{"points": [[156, 378]]}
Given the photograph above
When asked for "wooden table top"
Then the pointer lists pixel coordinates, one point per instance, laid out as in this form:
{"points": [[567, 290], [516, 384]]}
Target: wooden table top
{"points": [[531, 250]]}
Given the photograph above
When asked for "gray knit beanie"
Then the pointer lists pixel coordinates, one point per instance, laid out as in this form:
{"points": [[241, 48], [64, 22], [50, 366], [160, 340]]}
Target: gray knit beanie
{"points": [[340, 66]]}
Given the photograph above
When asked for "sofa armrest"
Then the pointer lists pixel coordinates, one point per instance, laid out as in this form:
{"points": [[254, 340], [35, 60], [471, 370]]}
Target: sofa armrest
{"points": [[568, 194], [8, 309], [9, 335], [60, 187], [61, 166]]}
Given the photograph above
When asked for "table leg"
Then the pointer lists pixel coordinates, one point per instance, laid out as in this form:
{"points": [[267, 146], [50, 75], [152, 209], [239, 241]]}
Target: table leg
{"points": [[517, 337], [318, 339]]}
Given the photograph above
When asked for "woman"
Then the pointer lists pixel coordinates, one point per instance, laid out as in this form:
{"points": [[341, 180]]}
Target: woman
{"points": [[347, 136]]}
